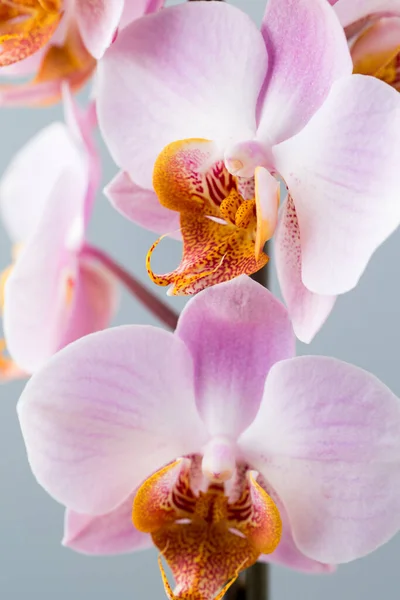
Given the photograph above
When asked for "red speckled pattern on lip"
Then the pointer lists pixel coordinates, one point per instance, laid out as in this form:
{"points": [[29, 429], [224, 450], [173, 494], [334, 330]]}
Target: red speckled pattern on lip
{"points": [[206, 537]]}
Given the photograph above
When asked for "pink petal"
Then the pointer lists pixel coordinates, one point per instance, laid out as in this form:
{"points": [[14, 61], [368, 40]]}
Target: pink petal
{"points": [[106, 412], [235, 331], [36, 292], [308, 311], [309, 53], [287, 553], [135, 9], [30, 94], [94, 303], [350, 11], [141, 205], [155, 87], [29, 181], [327, 439], [97, 21], [112, 533], [342, 173], [81, 125]]}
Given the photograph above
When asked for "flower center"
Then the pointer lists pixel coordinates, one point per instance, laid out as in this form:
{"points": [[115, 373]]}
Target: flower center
{"points": [[205, 536], [222, 219]]}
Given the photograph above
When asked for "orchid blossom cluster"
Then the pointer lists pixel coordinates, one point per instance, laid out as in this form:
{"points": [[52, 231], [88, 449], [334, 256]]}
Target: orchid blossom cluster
{"points": [[212, 442]]}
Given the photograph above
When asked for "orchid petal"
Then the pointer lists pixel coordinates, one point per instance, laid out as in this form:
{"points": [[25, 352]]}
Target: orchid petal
{"points": [[342, 173], [106, 412], [29, 180], [36, 291], [94, 300], [308, 53], [308, 311], [30, 93], [350, 11], [112, 533], [136, 9], [287, 553], [141, 205], [98, 21], [327, 438], [235, 331], [171, 91]]}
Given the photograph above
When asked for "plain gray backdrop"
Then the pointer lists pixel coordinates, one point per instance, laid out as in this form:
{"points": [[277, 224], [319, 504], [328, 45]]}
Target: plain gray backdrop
{"points": [[364, 329]]}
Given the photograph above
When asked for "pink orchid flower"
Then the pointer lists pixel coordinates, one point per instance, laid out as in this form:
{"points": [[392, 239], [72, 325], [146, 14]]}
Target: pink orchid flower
{"points": [[373, 31], [52, 294], [51, 41], [214, 131], [217, 441]]}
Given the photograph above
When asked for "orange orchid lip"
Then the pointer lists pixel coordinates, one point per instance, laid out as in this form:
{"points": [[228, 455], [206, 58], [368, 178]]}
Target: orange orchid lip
{"points": [[223, 227], [25, 27], [205, 538]]}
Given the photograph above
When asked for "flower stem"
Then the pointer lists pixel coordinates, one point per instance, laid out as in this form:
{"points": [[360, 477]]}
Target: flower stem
{"points": [[254, 583], [156, 306]]}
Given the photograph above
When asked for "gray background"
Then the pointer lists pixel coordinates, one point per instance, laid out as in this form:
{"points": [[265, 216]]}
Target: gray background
{"points": [[364, 329]]}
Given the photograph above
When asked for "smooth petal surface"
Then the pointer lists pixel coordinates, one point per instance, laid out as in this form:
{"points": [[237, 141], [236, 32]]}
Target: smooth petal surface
{"points": [[308, 311], [287, 553], [141, 205], [342, 173], [350, 11], [135, 10], [93, 304], [307, 52], [327, 438], [30, 178], [106, 412], [155, 79], [112, 533], [30, 93], [98, 21], [36, 291], [235, 332]]}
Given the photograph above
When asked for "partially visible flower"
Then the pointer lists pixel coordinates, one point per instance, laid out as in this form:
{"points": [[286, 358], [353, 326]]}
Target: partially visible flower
{"points": [[225, 445], [51, 295], [51, 41], [373, 30], [215, 131]]}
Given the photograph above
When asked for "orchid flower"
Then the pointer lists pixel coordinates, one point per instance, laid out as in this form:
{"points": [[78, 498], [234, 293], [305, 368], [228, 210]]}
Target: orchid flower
{"points": [[373, 31], [217, 442], [52, 41], [213, 132], [51, 294]]}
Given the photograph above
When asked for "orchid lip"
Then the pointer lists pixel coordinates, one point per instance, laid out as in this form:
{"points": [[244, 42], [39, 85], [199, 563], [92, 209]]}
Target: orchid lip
{"points": [[218, 216], [206, 537]]}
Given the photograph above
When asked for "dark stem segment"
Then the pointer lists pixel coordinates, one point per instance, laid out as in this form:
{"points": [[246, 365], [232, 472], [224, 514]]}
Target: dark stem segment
{"points": [[156, 306], [253, 584], [262, 276]]}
